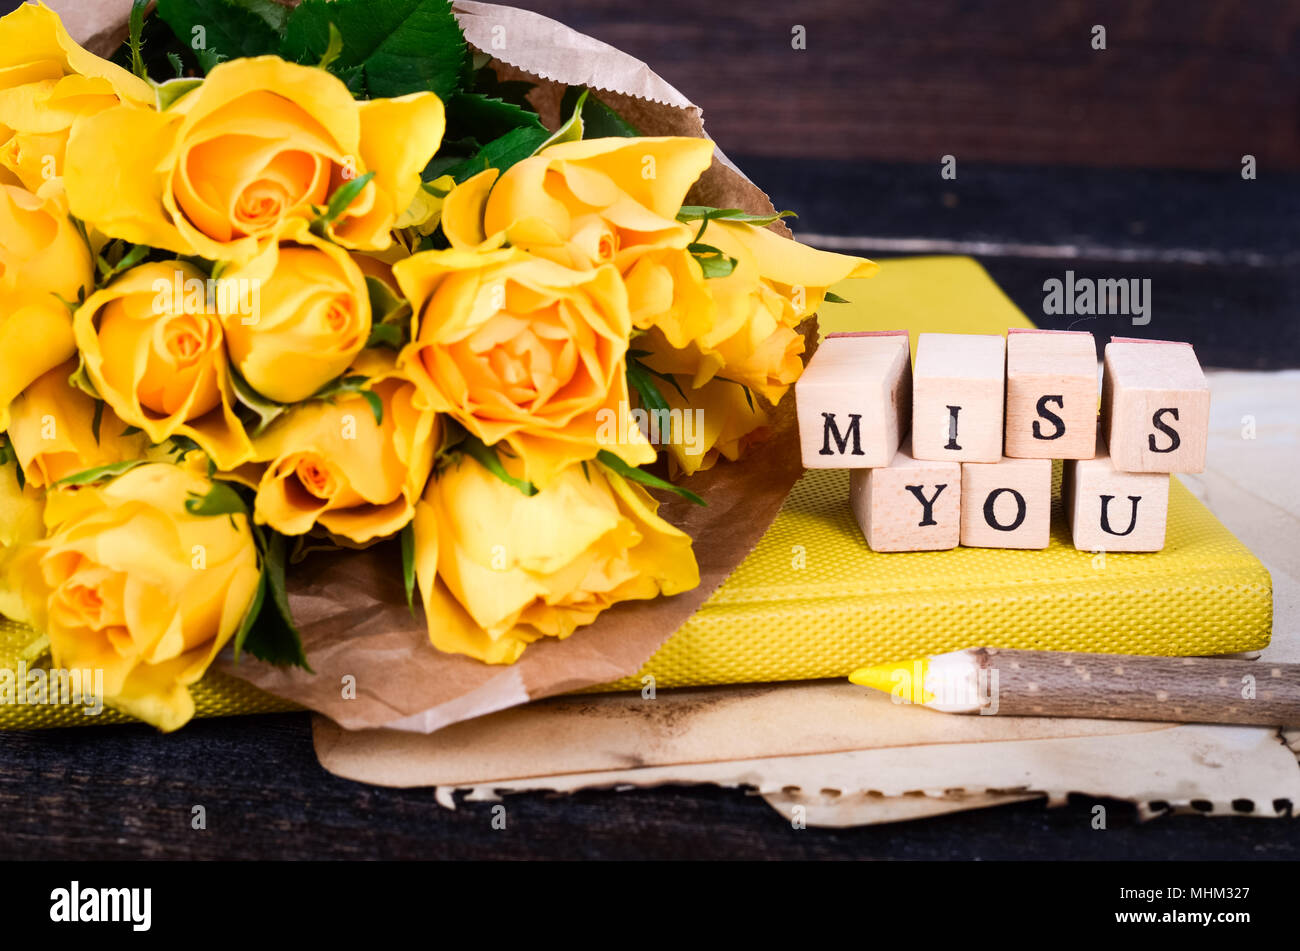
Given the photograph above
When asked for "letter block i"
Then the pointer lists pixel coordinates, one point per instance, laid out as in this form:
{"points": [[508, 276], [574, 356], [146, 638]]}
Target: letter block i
{"points": [[1110, 510], [909, 505], [1155, 406], [854, 400], [1051, 394], [1007, 504], [957, 397]]}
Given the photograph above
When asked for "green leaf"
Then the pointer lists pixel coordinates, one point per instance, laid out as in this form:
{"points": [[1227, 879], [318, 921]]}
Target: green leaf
{"points": [[99, 473], [385, 306], [338, 203], [175, 60], [272, 636], [333, 51], [80, 380], [276, 15], [251, 615], [96, 420], [226, 30], [515, 146], [486, 82], [166, 94], [712, 261], [386, 335], [666, 377], [474, 115], [571, 130], [135, 26], [599, 121], [408, 564], [486, 456], [221, 499], [611, 461], [638, 377], [834, 298], [353, 385], [267, 411], [706, 214], [399, 46]]}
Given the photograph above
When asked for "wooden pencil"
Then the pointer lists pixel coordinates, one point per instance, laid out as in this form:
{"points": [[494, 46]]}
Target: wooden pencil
{"points": [[1026, 683]]}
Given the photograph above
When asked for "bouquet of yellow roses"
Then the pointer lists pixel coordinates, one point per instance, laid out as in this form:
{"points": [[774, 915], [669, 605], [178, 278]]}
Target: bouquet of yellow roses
{"points": [[335, 282]]}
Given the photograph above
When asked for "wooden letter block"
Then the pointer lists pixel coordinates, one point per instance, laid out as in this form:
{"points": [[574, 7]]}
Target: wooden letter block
{"points": [[1155, 406], [854, 400], [1051, 394], [957, 397], [909, 505], [1007, 504], [1110, 510]]}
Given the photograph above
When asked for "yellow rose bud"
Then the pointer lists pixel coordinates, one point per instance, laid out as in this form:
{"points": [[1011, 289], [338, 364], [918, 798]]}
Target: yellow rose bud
{"points": [[800, 275], [776, 283], [41, 255], [47, 83], [712, 422], [522, 351], [152, 344], [261, 140], [21, 523], [52, 430], [295, 316], [132, 584], [498, 569], [330, 464]]}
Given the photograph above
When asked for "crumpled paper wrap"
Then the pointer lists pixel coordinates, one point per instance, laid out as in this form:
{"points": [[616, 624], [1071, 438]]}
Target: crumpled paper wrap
{"points": [[351, 607]]}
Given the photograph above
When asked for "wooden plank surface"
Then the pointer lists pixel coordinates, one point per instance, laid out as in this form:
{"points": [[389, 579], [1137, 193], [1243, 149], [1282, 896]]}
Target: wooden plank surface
{"points": [[983, 81]]}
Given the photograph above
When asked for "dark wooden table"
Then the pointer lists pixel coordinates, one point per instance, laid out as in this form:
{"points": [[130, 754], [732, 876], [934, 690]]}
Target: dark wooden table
{"points": [[1222, 257]]}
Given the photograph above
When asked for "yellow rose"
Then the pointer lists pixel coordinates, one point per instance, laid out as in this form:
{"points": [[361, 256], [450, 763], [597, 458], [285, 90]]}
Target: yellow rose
{"points": [[498, 569], [47, 83], [130, 583], [260, 141], [522, 351], [800, 275], [152, 344], [600, 201], [581, 204], [295, 316], [21, 523], [52, 430], [330, 464], [776, 283], [41, 255]]}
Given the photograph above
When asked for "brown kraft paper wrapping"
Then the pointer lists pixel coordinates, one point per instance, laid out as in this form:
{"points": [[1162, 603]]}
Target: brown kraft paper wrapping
{"points": [[351, 607]]}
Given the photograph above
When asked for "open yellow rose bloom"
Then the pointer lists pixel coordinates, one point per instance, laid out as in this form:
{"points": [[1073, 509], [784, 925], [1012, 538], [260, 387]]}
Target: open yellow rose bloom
{"points": [[248, 314]]}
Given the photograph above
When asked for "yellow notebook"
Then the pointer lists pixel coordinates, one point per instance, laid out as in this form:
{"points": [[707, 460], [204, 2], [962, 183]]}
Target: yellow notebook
{"points": [[813, 601]]}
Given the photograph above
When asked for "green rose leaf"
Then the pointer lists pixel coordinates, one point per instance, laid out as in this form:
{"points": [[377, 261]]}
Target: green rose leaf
{"points": [[599, 121], [268, 631], [611, 461], [399, 46], [218, 30]]}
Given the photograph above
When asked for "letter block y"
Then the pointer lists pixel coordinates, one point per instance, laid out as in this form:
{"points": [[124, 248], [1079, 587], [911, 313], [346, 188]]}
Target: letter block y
{"points": [[909, 505]]}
